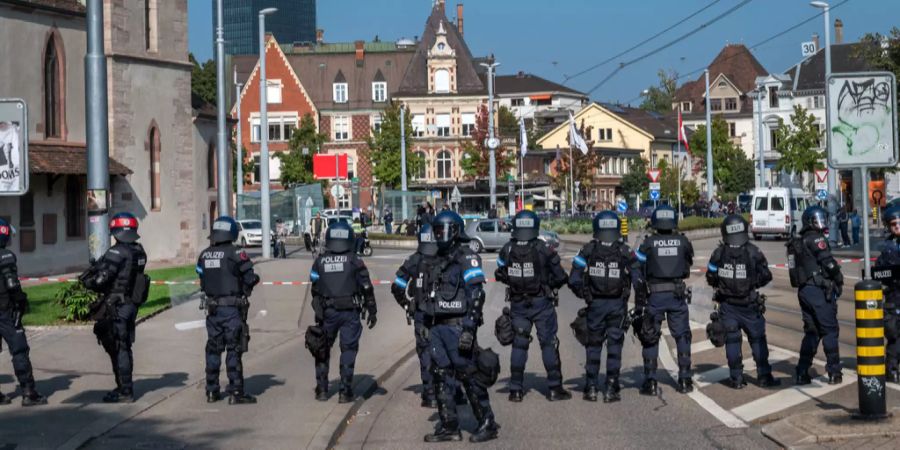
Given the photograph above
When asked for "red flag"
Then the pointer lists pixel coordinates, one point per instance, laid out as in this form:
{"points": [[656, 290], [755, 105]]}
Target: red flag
{"points": [[682, 136]]}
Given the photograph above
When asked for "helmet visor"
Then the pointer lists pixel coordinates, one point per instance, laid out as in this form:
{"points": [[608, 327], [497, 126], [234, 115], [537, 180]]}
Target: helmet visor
{"points": [[445, 233], [818, 221]]}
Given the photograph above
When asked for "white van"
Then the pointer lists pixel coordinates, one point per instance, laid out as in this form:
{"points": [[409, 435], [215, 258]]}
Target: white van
{"points": [[776, 211]]}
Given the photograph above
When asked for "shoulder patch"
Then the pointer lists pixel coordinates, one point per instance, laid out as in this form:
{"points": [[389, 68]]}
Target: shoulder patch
{"points": [[821, 244], [243, 255]]}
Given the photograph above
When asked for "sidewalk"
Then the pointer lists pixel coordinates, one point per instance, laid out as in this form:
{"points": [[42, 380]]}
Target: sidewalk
{"points": [[833, 429]]}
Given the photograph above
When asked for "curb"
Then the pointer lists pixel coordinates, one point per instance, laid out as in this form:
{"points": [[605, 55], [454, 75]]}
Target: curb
{"points": [[808, 429]]}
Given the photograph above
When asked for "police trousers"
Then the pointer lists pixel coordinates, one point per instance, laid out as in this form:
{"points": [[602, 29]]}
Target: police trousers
{"points": [[423, 351], [17, 345], [893, 343], [452, 368], [820, 324], [116, 334], [746, 318], [540, 313], [667, 306], [346, 324], [223, 331], [604, 321]]}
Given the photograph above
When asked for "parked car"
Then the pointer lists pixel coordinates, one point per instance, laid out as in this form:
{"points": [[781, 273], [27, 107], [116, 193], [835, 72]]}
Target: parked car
{"points": [[249, 233], [493, 234], [777, 211]]}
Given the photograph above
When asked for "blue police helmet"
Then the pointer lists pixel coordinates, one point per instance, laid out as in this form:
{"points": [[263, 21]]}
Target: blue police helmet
{"points": [[815, 218], [224, 229], [889, 215], [664, 218], [734, 230], [339, 237], [123, 226], [427, 244], [526, 226], [5, 233], [448, 228], [607, 226]]}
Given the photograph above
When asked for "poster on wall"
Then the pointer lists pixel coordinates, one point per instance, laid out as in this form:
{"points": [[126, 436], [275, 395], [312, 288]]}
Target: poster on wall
{"points": [[13, 147]]}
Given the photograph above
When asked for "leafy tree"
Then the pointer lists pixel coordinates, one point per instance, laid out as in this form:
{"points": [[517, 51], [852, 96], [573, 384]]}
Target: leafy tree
{"points": [[249, 167], [798, 143], [475, 162], [203, 79], [732, 171], [659, 98], [384, 145], [297, 168], [635, 182], [882, 52]]}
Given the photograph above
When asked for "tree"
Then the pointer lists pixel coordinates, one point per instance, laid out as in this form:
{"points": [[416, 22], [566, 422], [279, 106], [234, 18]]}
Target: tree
{"points": [[659, 98], [203, 79], [881, 52], [732, 171], [798, 143], [297, 168], [249, 166], [635, 182], [476, 154], [384, 148]]}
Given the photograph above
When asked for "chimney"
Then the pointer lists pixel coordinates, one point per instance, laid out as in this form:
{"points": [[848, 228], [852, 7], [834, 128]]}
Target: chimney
{"points": [[360, 52], [459, 18], [838, 31], [320, 36], [815, 38]]}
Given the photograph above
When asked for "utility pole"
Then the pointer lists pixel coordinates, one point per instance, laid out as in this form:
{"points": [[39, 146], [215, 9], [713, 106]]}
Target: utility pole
{"points": [[224, 200], [403, 185], [492, 141], [759, 137], [709, 155], [264, 200], [240, 143], [97, 114], [832, 175]]}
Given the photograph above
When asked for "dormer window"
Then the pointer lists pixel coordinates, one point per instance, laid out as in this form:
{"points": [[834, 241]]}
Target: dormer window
{"points": [[442, 81], [340, 92], [379, 91], [686, 107]]}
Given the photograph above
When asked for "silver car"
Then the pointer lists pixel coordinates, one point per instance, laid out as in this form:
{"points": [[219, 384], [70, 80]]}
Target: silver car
{"points": [[493, 234]]}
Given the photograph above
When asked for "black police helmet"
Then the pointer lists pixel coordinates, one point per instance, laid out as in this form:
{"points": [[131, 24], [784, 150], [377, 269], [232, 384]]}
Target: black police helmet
{"points": [[5, 233], [339, 237], [889, 215], [449, 229], [664, 218], [734, 230], [123, 227], [526, 226], [427, 244], [607, 226], [224, 229], [815, 218]]}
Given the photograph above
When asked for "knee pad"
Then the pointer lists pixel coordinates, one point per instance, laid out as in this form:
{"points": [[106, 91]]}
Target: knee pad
{"points": [[553, 343], [19, 345]]}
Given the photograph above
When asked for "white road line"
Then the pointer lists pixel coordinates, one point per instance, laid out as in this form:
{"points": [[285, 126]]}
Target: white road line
{"points": [[786, 398], [701, 346], [184, 326], [723, 372]]}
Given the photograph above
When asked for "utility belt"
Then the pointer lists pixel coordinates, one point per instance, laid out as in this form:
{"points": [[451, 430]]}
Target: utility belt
{"points": [[677, 287], [594, 298], [734, 300], [431, 321], [349, 303], [529, 299], [227, 300]]}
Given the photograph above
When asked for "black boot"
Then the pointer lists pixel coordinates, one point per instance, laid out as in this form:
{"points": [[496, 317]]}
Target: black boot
{"points": [[685, 385], [240, 398], [835, 378], [767, 381], [516, 396], [649, 387], [321, 394], [611, 392], [428, 398], [590, 393], [213, 396], [893, 376], [558, 393], [487, 430], [802, 378], [736, 383], [4, 400], [31, 397], [445, 433], [119, 395], [345, 396]]}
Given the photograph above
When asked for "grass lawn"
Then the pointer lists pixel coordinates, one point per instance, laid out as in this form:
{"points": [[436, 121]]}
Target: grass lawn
{"points": [[44, 310]]}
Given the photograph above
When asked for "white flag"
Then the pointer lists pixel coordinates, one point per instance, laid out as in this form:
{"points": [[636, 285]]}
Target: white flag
{"points": [[575, 139], [523, 136]]}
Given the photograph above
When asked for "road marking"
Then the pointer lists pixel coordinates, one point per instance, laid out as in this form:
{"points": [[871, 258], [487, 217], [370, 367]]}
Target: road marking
{"points": [[786, 398], [702, 346], [723, 372], [194, 324]]}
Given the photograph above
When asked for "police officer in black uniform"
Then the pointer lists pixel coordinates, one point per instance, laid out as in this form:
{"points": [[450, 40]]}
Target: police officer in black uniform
{"points": [[890, 259], [818, 275], [453, 308], [736, 270], [13, 305], [227, 280], [409, 281], [120, 280], [601, 276], [533, 274], [341, 290], [664, 262]]}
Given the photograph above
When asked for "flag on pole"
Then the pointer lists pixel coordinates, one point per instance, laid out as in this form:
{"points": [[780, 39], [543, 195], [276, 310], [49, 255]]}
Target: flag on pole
{"points": [[682, 136], [523, 136], [558, 156], [575, 139]]}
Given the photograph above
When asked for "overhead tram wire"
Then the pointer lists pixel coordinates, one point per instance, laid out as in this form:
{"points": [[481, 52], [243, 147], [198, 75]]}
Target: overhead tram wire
{"points": [[668, 44], [567, 78]]}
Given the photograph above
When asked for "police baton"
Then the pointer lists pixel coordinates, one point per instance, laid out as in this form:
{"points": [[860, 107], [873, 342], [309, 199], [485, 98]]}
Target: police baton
{"points": [[870, 350]]}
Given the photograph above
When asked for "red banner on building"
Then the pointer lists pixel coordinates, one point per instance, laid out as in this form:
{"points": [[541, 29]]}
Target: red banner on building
{"points": [[325, 167]]}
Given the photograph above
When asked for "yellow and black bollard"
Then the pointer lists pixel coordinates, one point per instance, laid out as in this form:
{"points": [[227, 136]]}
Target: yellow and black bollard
{"points": [[624, 229], [870, 361]]}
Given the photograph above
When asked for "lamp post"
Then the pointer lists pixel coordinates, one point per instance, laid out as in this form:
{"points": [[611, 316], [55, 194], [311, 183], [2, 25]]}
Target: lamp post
{"points": [[709, 156], [97, 127], [403, 185], [832, 176], [239, 144], [224, 200], [759, 136], [492, 141], [264, 138]]}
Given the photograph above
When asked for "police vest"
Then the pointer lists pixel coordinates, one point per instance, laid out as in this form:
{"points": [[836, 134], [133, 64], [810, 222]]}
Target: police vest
{"points": [[736, 274], [446, 288], [419, 289], [130, 268], [607, 270], [7, 269], [337, 279], [666, 257], [524, 269], [220, 277]]}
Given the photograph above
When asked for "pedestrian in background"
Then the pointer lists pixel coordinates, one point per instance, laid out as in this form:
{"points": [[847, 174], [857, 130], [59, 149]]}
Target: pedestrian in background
{"points": [[856, 223], [843, 222], [388, 220]]}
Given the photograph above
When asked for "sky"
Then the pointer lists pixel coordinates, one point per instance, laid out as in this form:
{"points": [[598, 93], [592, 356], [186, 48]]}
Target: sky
{"points": [[556, 39]]}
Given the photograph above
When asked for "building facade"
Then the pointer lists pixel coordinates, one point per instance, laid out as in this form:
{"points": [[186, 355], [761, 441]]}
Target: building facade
{"points": [[294, 22], [542, 103]]}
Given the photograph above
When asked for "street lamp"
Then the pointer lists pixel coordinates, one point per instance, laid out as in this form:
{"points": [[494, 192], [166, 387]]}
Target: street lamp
{"points": [[223, 199], [832, 176], [492, 141], [264, 138]]}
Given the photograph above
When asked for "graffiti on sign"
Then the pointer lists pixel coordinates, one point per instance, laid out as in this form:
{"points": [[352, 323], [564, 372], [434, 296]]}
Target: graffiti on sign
{"points": [[862, 119]]}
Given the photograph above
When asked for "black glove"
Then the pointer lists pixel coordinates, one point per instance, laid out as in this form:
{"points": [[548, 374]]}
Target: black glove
{"points": [[400, 295], [371, 320], [838, 290], [466, 340]]}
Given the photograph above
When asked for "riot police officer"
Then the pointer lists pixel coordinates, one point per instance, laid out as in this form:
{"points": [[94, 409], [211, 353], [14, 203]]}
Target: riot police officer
{"points": [[533, 274], [341, 290], [227, 280], [120, 280], [601, 276], [890, 259], [736, 270], [409, 280], [664, 262], [454, 311], [818, 275], [13, 305]]}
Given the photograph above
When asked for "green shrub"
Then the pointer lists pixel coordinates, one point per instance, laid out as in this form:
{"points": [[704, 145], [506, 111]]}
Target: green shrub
{"points": [[390, 237], [76, 301]]}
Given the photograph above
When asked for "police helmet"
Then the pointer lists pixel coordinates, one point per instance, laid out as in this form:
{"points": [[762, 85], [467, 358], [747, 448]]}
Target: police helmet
{"points": [[5, 233], [664, 218], [815, 218], [449, 229], [526, 226], [339, 237], [224, 229], [123, 227], [889, 215], [607, 226], [734, 230], [427, 244]]}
